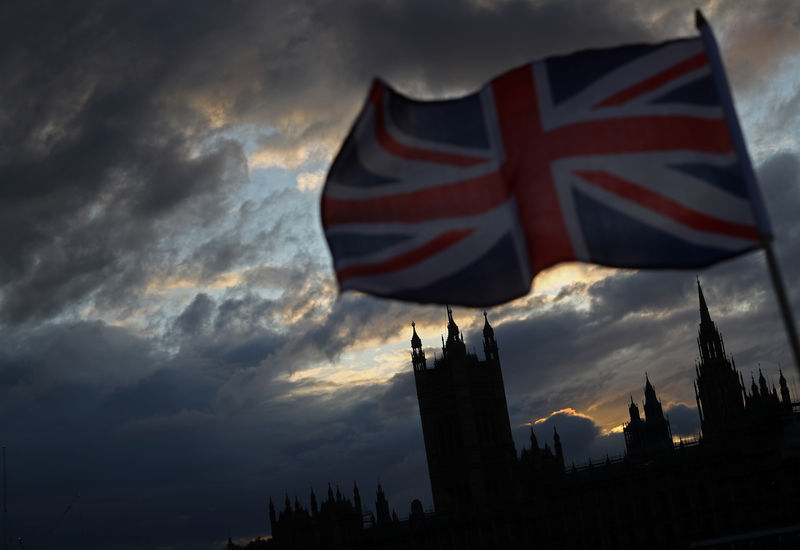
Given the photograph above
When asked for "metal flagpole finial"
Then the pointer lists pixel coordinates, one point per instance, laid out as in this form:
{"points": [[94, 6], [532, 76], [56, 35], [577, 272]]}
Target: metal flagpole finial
{"points": [[699, 19]]}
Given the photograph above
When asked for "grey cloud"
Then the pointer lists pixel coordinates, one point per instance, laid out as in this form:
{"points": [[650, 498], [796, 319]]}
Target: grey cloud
{"points": [[196, 316], [110, 136], [778, 176], [246, 330], [683, 420], [97, 162], [581, 438], [85, 353]]}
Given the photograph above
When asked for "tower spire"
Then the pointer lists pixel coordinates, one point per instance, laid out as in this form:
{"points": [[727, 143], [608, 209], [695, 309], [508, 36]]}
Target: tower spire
{"points": [[786, 398], [559, 449], [634, 411], [272, 517], [762, 383], [652, 406], [709, 339], [313, 503], [534, 442], [705, 316], [382, 506], [489, 343], [356, 498], [720, 392]]}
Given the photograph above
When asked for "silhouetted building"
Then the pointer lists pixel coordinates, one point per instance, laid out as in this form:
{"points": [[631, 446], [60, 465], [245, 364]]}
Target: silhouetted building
{"points": [[651, 437], [719, 390], [737, 485], [336, 523], [462, 404]]}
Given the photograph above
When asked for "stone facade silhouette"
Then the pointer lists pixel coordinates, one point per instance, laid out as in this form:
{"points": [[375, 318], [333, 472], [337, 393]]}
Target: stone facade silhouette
{"points": [[736, 486], [651, 437], [465, 423]]}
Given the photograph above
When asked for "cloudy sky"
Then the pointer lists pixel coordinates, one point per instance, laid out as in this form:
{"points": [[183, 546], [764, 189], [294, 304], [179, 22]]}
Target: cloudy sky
{"points": [[173, 351]]}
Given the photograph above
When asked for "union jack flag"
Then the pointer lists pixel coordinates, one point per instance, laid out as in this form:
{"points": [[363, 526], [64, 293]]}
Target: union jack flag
{"points": [[624, 157]]}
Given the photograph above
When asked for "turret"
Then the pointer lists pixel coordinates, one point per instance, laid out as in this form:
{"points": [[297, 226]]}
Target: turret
{"points": [[313, 500], [455, 343], [786, 399], [452, 327], [272, 518], [762, 384], [652, 407], [651, 438], [534, 442], [634, 411], [357, 498], [382, 506], [417, 355], [559, 450]]}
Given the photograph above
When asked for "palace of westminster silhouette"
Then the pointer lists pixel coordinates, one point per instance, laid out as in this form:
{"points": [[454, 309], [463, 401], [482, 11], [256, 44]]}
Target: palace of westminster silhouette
{"points": [[736, 486]]}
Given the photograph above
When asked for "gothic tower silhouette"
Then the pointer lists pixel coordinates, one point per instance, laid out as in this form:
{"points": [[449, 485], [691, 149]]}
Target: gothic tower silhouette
{"points": [[719, 390], [465, 424], [651, 437]]}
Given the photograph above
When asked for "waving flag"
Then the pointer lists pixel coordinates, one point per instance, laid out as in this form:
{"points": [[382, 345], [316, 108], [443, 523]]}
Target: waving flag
{"points": [[627, 157]]}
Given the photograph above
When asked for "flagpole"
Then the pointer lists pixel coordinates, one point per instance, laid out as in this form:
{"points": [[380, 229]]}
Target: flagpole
{"points": [[718, 73], [783, 301], [5, 504]]}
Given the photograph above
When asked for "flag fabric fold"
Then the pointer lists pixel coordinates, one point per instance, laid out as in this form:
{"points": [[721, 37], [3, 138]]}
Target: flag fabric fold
{"points": [[622, 157]]}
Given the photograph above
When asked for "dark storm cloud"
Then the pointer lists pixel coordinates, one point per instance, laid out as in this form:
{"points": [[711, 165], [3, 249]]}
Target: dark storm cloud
{"points": [[99, 162], [407, 32], [155, 438], [104, 357], [139, 432], [113, 113]]}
